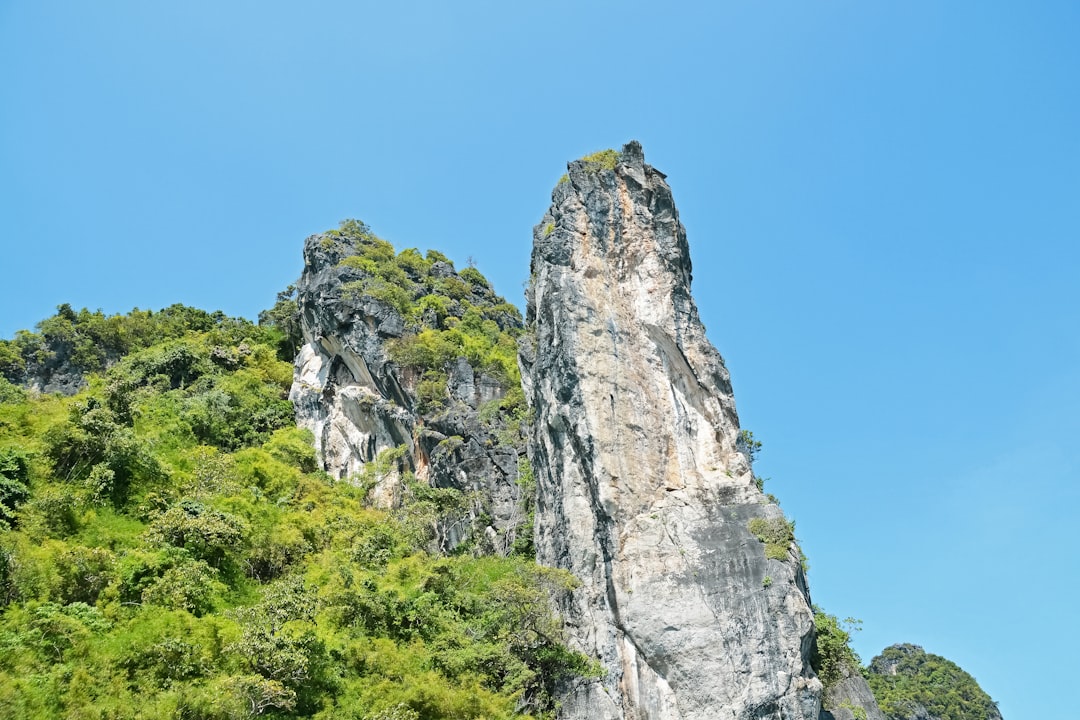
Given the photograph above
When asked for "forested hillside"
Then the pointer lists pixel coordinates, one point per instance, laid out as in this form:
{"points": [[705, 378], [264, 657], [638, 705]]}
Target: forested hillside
{"points": [[911, 684], [169, 548]]}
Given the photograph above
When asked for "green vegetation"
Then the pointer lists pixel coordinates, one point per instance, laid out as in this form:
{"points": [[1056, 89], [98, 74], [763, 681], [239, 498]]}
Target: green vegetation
{"points": [[90, 341], [921, 681], [283, 323], [777, 534], [168, 548], [833, 659], [602, 160], [747, 445], [448, 316], [905, 679], [857, 712]]}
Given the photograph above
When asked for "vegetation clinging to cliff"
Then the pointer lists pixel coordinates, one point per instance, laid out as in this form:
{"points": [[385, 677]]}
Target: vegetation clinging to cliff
{"points": [[833, 658], [601, 160], [171, 549], [448, 314]]}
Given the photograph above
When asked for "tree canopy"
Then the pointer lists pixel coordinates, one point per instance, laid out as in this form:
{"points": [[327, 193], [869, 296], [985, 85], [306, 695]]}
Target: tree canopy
{"points": [[169, 547]]}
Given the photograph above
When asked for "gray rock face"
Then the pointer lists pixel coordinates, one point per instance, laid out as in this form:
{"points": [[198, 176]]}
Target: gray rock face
{"points": [[56, 372], [64, 378], [344, 390], [643, 492], [359, 404], [850, 699]]}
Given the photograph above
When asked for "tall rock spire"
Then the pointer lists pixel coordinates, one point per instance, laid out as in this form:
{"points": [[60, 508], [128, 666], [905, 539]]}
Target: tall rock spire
{"points": [[692, 595]]}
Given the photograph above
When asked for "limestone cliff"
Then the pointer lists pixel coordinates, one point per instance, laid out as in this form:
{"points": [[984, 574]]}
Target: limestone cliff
{"points": [[644, 492], [439, 418]]}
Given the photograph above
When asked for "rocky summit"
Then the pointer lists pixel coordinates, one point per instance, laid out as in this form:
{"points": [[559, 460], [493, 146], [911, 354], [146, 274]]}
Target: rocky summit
{"points": [[692, 591]]}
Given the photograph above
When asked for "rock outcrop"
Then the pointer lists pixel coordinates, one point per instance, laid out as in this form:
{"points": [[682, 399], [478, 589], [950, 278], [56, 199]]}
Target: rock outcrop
{"points": [[850, 698], [912, 684], [56, 375], [438, 419], [644, 492]]}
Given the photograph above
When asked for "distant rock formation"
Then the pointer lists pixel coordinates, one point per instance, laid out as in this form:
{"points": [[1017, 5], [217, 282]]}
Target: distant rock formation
{"points": [[912, 684], [644, 492]]}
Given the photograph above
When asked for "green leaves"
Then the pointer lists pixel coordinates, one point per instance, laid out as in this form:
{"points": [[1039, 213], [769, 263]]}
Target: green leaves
{"points": [[14, 474], [191, 586], [602, 160], [747, 445], [205, 533], [278, 639], [95, 450], [832, 658], [777, 534], [910, 682], [449, 315], [172, 549]]}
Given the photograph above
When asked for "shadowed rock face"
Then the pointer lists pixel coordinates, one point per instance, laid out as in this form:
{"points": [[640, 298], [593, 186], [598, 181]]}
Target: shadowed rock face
{"points": [[643, 493], [359, 404], [344, 388], [850, 698]]}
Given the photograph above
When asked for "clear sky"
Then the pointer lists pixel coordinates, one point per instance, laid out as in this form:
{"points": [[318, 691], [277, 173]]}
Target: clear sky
{"points": [[882, 201]]}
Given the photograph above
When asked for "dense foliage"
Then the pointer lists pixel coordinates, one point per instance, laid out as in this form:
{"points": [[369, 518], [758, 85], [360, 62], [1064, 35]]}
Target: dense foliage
{"points": [[168, 548], [833, 658], [448, 314], [81, 342], [909, 683]]}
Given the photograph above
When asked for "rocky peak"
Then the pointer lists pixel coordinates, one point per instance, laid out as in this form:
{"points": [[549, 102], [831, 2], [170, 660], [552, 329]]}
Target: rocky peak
{"points": [[896, 656], [912, 684], [407, 373], [693, 595]]}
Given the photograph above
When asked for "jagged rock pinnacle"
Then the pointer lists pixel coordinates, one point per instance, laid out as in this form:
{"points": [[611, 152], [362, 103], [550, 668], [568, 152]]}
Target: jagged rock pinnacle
{"points": [[643, 490], [367, 412]]}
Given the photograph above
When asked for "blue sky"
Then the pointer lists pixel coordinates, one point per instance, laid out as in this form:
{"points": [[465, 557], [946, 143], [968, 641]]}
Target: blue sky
{"points": [[881, 200]]}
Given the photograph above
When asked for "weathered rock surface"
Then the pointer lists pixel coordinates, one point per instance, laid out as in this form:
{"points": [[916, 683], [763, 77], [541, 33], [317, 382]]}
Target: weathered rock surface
{"points": [[643, 491], [850, 699], [54, 370], [360, 405], [58, 375]]}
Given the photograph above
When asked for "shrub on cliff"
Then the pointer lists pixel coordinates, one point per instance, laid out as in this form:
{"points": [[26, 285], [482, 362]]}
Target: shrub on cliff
{"points": [[833, 658]]}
